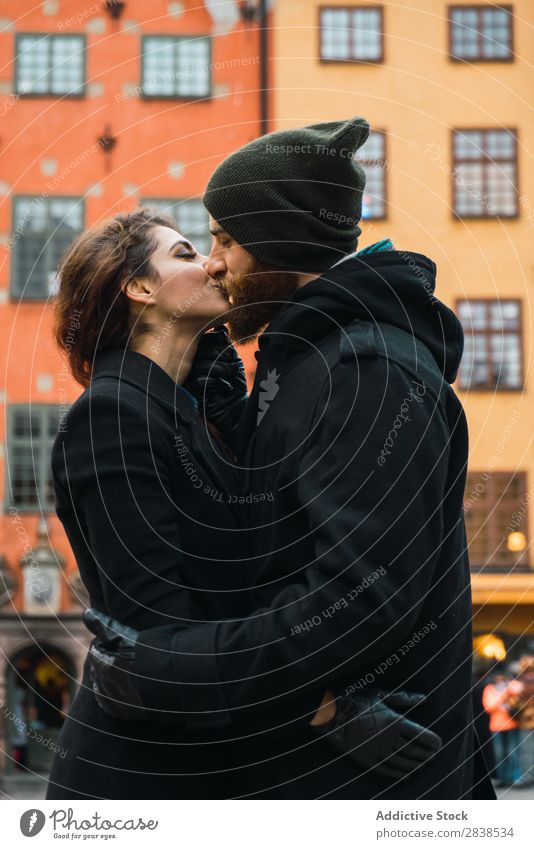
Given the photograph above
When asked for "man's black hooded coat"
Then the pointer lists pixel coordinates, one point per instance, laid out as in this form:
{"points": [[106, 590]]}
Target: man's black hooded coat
{"points": [[354, 453]]}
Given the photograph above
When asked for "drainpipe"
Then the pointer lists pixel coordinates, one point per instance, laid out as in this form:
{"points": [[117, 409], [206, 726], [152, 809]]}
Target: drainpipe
{"points": [[264, 69]]}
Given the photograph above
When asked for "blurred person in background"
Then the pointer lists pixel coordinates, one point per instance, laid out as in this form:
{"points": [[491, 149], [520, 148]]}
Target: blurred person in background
{"points": [[504, 728], [21, 728], [524, 714], [482, 720]]}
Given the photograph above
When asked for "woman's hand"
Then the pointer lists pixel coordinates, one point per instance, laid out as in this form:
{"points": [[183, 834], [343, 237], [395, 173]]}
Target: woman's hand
{"points": [[372, 730], [217, 380], [327, 709]]}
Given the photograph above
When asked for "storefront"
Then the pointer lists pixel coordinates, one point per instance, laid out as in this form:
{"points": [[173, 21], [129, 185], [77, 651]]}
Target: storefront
{"points": [[503, 616], [41, 662]]}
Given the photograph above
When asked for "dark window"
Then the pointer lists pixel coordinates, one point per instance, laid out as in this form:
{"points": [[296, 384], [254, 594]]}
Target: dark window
{"points": [[353, 33], [492, 356], [485, 173], [31, 430], [191, 218], [43, 229], [176, 66], [50, 64], [496, 508], [372, 158], [481, 32]]}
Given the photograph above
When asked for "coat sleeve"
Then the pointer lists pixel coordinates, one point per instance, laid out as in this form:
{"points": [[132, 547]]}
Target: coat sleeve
{"points": [[115, 472], [372, 484]]}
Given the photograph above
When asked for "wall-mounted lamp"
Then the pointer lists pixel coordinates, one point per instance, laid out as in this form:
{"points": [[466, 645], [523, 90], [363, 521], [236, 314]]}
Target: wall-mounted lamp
{"points": [[516, 541], [250, 10], [114, 8], [107, 140]]}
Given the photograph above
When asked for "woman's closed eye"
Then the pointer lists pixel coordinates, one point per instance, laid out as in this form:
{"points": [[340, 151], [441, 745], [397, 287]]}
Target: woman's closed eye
{"points": [[185, 254]]}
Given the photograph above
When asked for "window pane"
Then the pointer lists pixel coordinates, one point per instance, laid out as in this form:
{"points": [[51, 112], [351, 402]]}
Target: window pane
{"points": [[492, 354], [176, 66], [494, 509], [506, 359], [158, 66], [67, 65], [29, 266], [31, 431], [44, 229], [500, 144], [467, 145], [482, 33], [371, 158], [335, 34], [501, 189], [50, 64], [373, 204], [464, 33], [469, 189], [32, 64], [351, 34], [504, 314], [191, 217], [488, 188], [473, 314], [193, 67], [496, 33], [373, 148], [366, 34]]}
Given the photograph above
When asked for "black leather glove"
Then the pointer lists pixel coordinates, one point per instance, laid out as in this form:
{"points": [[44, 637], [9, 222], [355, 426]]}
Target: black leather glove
{"points": [[217, 381], [368, 728], [112, 669]]}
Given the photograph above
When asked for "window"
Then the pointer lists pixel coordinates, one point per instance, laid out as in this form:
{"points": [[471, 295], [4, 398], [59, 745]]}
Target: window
{"points": [[176, 67], [492, 356], [352, 33], [50, 64], [191, 217], [372, 157], [496, 519], [31, 430], [43, 229], [485, 173], [481, 33]]}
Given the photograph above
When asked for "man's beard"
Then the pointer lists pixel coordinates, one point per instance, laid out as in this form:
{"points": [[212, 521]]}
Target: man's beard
{"points": [[257, 297]]}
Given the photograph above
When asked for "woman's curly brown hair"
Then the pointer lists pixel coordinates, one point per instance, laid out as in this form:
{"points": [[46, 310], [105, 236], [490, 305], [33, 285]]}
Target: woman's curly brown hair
{"points": [[92, 312]]}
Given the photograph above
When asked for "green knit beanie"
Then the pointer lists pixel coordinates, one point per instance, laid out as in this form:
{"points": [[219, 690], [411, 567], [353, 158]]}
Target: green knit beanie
{"points": [[293, 198]]}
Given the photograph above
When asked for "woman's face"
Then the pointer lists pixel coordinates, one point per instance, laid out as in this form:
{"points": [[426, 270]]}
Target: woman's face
{"points": [[185, 292]]}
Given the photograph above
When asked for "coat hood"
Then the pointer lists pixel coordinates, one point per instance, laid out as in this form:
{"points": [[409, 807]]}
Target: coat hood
{"points": [[392, 287]]}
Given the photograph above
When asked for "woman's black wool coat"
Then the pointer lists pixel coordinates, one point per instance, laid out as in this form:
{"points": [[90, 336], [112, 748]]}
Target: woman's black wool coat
{"points": [[144, 494]]}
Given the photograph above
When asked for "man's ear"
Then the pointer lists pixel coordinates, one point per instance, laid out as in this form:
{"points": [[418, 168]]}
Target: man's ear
{"points": [[139, 289]]}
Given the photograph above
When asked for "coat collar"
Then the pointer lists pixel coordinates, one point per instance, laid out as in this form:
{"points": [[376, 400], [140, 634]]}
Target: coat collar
{"points": [[391, 286], [143, 373]]}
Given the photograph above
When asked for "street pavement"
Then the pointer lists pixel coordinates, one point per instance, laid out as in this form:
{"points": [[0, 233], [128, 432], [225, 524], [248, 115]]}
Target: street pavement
{"points": [[34, 787]]}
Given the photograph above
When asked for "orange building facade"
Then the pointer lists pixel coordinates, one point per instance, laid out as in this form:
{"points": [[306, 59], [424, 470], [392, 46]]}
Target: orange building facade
{"points": [[102, 106], [445, 87]]}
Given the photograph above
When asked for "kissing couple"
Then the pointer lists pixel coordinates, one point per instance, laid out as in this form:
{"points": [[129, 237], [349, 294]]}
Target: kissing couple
{"points": [[279, 583]]}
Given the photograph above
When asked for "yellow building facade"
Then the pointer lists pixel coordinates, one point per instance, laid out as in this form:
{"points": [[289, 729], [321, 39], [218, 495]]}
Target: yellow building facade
{"points": [[447, 90]]}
